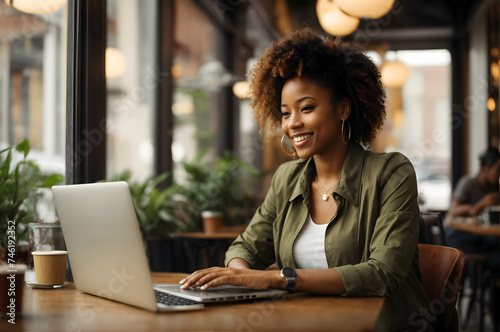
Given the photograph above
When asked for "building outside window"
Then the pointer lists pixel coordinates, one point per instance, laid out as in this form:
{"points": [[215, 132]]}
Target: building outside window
{"points": [[131, 84], [33, 45], [419, 123], [199, 75]]}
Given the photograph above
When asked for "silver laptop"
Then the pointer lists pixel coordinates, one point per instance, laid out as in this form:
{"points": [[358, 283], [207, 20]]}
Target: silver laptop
{"points": [[107, 255]]}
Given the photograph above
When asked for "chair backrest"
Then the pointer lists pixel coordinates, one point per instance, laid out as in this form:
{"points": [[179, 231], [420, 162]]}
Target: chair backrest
{"points": [[431, 228], [441, 268]]}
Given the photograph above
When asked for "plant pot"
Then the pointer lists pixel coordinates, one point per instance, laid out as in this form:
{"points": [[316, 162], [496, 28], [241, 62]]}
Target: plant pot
{"points": [[212, 221]]}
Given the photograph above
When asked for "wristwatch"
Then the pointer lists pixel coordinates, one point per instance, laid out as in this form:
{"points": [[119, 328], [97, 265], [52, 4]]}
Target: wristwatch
{"points": [[289, 274]]}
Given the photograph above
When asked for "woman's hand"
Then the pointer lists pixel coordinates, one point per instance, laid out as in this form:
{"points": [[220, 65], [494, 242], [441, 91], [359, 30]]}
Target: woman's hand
{"points": [[215, 276]]}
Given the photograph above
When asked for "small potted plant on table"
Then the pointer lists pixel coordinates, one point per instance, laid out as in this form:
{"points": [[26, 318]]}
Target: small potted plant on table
{"points": [[220, 190]]}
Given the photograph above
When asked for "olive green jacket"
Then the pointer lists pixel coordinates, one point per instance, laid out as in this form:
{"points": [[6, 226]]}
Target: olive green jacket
{"points": [[371, 240]]}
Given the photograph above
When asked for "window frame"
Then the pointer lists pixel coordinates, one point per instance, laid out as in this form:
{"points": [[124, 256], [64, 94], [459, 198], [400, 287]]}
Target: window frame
{"points": [[86, 92], [86, 84]]}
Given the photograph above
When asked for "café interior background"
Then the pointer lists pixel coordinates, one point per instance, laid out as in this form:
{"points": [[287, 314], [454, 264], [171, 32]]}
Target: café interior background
{"points": [[421, 114]]}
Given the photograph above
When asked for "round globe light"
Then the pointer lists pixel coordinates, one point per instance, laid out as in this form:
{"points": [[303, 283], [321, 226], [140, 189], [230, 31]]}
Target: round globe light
{"points": [[115, 63], [365, 8], [241, 89], [394, 74], [333, 20], [491, 104], [495, 70], [39, 7]]}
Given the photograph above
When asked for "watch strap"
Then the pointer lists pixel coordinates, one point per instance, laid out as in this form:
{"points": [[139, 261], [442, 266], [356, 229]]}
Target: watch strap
{"points": [[290, 284], [289, 274]]}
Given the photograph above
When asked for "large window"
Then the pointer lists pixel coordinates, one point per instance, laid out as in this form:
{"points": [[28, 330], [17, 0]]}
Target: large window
{"points": [[131, 84], [32, 79], [419, 125], [33, 82], [199, 74]]}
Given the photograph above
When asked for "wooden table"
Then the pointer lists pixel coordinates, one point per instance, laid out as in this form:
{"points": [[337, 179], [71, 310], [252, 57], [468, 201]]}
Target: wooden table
{"points": [[69, 310], [471, 225]]}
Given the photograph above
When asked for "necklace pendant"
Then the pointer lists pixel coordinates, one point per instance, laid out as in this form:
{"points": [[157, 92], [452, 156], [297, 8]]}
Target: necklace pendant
{"points": [[324, 197]]}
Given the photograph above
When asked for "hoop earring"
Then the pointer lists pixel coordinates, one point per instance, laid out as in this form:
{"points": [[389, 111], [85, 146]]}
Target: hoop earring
{"points": [[348, 136], [284, 148]]}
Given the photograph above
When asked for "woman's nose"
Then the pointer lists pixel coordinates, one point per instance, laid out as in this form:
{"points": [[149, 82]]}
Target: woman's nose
{"points": [[295, 120]]}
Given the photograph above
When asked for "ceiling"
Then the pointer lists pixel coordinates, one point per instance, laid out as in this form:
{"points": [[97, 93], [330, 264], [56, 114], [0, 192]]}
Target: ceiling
{"points": [[411, 24]]}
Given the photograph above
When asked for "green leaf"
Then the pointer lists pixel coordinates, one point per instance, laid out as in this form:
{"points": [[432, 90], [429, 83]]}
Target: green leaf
{"points": [[52, 180], [24, 147], [6, 149], [141, 216], [6, 165], [165, 215], [160, 178]]}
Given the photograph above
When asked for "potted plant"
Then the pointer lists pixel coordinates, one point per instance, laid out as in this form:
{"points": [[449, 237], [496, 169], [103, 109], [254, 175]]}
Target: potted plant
{"points": [[19, 183], [160, 213], [222, 188]]}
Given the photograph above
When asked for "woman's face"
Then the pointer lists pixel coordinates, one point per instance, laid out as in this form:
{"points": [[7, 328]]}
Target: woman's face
{"points": [[310, 119]]}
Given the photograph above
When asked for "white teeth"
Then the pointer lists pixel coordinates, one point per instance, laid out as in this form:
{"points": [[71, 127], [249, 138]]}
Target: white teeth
{"points": [[301, 138]]}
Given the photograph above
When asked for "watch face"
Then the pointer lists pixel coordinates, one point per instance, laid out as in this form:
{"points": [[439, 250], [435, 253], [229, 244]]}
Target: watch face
{"points": [[289, 272]]}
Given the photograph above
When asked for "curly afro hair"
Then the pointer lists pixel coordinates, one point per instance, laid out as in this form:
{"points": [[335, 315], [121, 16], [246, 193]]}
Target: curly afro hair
{"points": [[334, 64]]}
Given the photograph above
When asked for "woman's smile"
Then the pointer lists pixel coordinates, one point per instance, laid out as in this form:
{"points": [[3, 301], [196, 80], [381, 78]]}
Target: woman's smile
{"points": [[300, 140]]}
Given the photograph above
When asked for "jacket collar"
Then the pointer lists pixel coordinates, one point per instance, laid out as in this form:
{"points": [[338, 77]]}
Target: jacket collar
{"points": [[349, 185], [302, 187]]}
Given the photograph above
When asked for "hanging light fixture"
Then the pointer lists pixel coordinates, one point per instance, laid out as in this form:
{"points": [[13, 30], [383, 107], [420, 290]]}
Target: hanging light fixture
{"points": [[241, 89], [365, 8], [115, 63], [176, 70], [394, 74], [36, 6], [491, 104], [495, 70], [333, 20]]}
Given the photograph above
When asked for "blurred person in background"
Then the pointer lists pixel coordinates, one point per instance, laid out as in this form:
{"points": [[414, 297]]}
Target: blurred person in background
{"points": [[472, 195]]}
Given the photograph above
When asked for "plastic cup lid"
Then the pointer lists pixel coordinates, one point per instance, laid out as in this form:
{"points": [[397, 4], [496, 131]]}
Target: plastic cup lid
{"points": [[49, 252]]}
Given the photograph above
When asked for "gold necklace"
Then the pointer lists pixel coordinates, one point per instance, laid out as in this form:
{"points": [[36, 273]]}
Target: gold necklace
{"points": [[326, 195]]}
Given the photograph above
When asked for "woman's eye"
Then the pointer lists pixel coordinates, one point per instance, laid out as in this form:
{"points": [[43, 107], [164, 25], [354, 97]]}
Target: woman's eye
{"points": [[285, 114], [307, 108]]}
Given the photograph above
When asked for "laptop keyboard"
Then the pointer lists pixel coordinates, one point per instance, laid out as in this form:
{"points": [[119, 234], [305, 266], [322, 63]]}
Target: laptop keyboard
{"points": [[172, 300]]}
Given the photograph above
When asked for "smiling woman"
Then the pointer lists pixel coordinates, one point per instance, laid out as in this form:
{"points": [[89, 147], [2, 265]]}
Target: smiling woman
{"points": [[340, 219], [308, 120]]}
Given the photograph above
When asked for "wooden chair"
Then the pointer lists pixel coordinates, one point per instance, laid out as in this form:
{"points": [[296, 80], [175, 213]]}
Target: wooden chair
{"points": [[442, 268], [432, 232]]}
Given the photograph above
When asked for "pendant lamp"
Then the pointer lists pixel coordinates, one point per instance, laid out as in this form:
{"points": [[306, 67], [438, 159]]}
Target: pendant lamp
{"points": [[36, 6], [365, 8], [333, 20], [115, 63], [241, 89], [394, 74]]}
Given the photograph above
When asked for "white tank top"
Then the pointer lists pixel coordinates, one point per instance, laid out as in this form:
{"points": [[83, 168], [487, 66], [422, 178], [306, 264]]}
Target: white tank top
{"points": [[309, 247]]}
